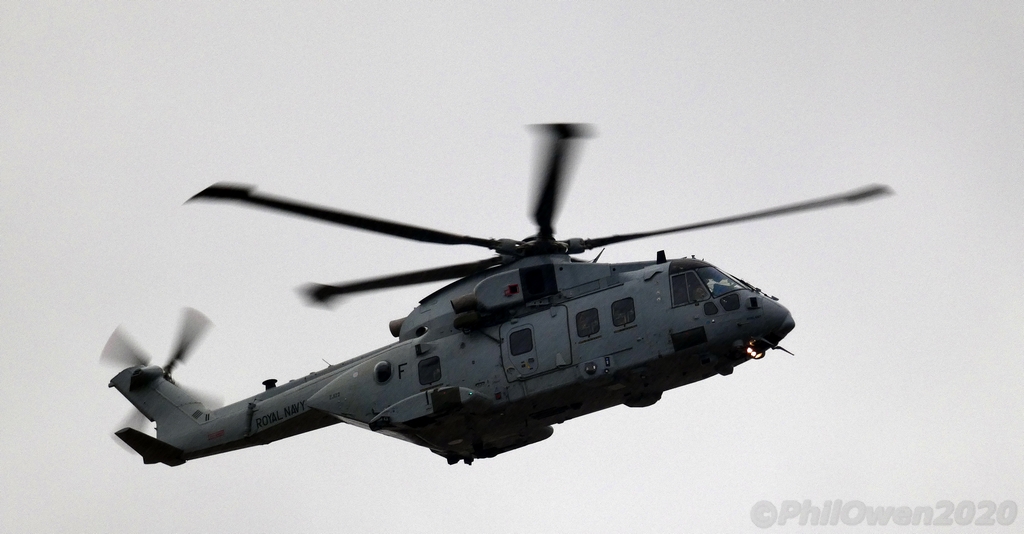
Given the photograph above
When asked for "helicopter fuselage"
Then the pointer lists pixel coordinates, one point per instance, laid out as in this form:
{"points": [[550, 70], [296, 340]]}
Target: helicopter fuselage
{"points": [[489, 363]]}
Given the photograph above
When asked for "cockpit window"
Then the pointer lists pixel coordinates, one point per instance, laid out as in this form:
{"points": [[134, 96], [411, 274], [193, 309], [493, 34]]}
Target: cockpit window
{"points": [[687, 288], [717, 282]]}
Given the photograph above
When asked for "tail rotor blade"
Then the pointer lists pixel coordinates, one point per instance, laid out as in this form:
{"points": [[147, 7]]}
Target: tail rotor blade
{"points": [[193, 325], [135, 420], [122, 352], [210, 400]]}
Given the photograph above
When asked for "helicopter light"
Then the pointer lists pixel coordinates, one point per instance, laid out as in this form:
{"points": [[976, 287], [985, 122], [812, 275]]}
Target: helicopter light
{"points": [[382, 371]]}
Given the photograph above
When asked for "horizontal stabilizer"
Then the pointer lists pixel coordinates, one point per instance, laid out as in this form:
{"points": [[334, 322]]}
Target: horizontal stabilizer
{"points": [[151, 449]]}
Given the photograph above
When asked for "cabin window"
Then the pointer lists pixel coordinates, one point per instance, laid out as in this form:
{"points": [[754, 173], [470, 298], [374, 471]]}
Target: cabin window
{"points": [[710, 308], [430, 370], [687, 288], [520, 341], [587, 323], [623, 312]]}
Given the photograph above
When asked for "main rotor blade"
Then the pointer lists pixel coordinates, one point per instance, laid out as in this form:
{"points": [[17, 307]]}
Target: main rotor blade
{"points": [[856, 195], [551, 180], [248, 195], [321, 293], [122, 352], [193, 325]]}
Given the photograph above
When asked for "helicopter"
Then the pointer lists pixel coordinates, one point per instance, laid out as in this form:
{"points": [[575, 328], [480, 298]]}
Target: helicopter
{"points": [[525, 339]]}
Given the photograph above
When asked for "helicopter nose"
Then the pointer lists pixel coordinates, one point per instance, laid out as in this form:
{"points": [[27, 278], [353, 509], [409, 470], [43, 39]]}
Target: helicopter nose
{"points": [[788, 324], [780, 322]]}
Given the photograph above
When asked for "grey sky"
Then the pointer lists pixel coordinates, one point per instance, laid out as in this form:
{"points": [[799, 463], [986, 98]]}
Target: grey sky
{"points": [[905, 387]]}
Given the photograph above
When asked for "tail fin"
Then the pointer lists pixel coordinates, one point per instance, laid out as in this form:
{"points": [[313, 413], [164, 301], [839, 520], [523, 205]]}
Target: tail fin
{"points": [[151, 449], [176, 413]]}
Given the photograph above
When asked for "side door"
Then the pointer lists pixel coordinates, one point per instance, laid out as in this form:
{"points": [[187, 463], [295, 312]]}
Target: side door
{"points": [[536, 344]]}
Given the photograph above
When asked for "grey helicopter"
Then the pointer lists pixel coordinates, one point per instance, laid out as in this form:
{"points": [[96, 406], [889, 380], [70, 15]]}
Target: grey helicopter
{"points": [[525, 339]]}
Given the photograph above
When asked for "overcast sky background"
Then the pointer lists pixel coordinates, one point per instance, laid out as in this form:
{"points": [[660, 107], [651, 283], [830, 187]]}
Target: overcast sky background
{"points": [[906, 384]]}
